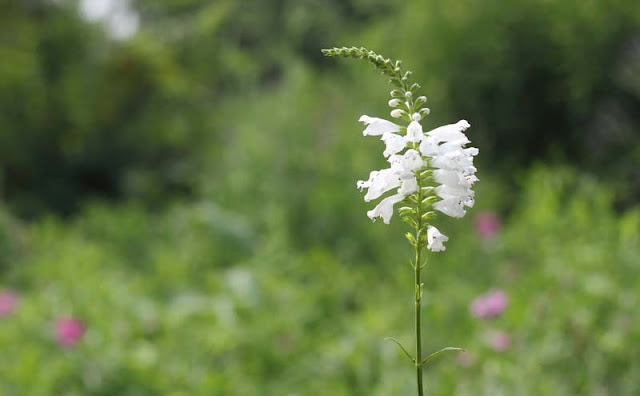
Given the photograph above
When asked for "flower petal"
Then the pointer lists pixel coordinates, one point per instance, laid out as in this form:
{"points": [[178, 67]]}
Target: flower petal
{"points": [[377, 126], [435, 240], [450, 132], [385, 208], [414, 132]]}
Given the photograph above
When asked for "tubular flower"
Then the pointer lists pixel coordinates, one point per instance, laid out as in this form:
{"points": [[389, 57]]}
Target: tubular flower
{"points": [[377, 126], [436, 240], [385, 208], [441, 152]]}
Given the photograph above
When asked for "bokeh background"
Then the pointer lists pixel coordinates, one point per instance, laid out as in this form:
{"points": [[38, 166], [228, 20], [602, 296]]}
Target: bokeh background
{"points": [[179, 216]]}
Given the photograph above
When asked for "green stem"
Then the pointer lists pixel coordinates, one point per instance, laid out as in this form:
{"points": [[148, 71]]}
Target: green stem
{"points": [[418, 287]]}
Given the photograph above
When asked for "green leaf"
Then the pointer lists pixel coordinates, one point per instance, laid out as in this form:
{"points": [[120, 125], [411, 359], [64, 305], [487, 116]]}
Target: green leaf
{"points": [[436, 353], [401, 347]]}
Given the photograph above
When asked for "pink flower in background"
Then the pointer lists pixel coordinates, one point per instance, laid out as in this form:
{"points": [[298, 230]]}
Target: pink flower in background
{"points": [[466, 359], [489, 305], [498, 341], [8, 302], [69, 331], [487, 224]]}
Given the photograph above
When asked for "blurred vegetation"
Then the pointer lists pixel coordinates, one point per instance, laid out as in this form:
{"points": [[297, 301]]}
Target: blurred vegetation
{"points": [[189, 193]]}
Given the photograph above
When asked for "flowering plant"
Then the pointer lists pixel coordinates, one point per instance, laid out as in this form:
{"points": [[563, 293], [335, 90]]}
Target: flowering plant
{"points": [[430, 172]]}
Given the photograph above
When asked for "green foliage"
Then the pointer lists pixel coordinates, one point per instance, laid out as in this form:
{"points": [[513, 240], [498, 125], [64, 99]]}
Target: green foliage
{"points": [[83, 116], [216, 244], [193, 303]]}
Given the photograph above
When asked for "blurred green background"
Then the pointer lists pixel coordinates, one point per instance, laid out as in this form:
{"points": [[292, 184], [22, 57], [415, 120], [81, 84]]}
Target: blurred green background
{"points": [[178, 176]]}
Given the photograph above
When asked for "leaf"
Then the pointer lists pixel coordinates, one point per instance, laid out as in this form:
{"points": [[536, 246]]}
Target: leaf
{"points": [[401, 347], [436, 353]]}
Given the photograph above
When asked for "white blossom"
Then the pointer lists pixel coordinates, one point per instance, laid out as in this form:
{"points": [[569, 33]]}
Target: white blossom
{"points": [[454, 179], [428, 146], [409, 186], [394, 143], [451, 206], [379, 182], [451, 132], [443, 149], [385, 208], [454, 168], [377, 126], [435, 240], [410, 161], [414, 132]]}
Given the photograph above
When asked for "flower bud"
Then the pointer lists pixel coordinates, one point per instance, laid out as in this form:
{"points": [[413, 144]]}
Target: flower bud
{"points": [[408, 94], [416, 117], [395, 93], [414, 87], [425, 111], [420, 101], [397, 113], [394, 103]]}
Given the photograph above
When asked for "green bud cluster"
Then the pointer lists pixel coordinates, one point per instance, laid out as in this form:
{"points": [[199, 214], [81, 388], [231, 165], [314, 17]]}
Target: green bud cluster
{"points": [[386, 66], [405, 98]]}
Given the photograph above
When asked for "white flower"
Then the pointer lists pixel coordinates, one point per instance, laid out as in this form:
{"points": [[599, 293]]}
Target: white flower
{"points": [[414, 132], [394, 143], [385, 208], [409, 186], [465, 194], [394, 102], [454, 168], [377, 126], [451, 132], [453, 205], [410, 161], [379, 182], [435, 240], [443, 148], [429, 146], [453, 160], [454, 179]]}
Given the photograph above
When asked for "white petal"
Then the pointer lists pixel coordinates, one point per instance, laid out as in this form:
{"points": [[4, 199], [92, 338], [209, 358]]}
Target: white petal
{"points": [[446, 191], [410, 161], [377, 126], [361, 184], [409, 186], [451, 132], [428, 146], [383, 181], [455, 179], [385, 208], [451, 206], [455, 160], [414, 132], [435, 240], [472, 151], [394, 143]]}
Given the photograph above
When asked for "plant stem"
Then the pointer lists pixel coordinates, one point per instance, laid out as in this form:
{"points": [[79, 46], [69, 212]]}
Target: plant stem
{"points": [[418, 288]]}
